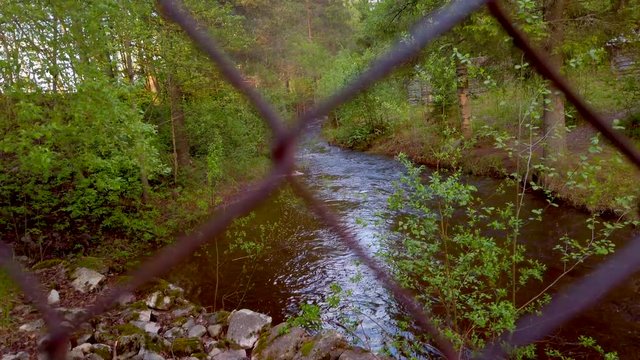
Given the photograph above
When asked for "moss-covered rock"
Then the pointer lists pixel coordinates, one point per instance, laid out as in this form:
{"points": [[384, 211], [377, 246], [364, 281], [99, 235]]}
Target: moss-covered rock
{"points": [[306, 347], [94, 263], [130, 345], [186, 346], [46, 264], [283, 345], [102, 350], [199, 355], [128, 329]]}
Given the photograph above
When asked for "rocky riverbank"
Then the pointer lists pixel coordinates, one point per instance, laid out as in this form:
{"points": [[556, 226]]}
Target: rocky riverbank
{"points": [[159, 323]]}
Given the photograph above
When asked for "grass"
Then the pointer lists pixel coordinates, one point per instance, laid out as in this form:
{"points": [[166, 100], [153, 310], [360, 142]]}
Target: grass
{"points": [[8, 298]]}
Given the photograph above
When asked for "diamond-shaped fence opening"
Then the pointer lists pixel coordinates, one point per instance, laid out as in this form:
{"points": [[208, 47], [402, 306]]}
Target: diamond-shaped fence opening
{"points": [[565, 305]]}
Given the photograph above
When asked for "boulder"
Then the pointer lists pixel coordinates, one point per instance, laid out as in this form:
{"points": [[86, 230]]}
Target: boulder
{"points": [[181, 312], [72, 314], [19, 356], [174, 332], [281, 343], [150, 355], [54, 297], [230, 355], [148, 326], [159, 301], [214, 330], [210, 345], [188, 324], [152, 328], [101, 350], [86, 279], [129, 346], [86, 338], [176, 289], [32, 326], [245, 327], [197, 331], [75, 354], [325, 346], [144, 315], [186, 346], [84, 348]]}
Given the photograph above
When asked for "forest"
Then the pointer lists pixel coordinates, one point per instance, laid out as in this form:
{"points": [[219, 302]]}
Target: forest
{"points": [[119, 135]]}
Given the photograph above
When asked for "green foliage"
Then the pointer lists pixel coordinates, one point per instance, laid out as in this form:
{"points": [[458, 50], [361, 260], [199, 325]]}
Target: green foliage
{"points": [[367, 117], [455, 267], [589, 345], [81, 181], [8, 298], [309, 317]]}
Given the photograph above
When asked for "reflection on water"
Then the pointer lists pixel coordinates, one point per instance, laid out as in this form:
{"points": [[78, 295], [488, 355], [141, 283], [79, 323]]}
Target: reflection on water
{"points": [[303, 259]]}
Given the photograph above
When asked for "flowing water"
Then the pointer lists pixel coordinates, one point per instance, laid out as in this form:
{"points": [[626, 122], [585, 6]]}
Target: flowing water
{"points": [[304, 262]]}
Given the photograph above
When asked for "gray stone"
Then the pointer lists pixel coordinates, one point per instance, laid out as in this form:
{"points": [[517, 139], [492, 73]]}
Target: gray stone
{"points": [[188, 324], [326, 346], [86, 279], [214, 330], [144, 315], [210, 345], [139, 324], [230, 355], [54, 297], [102, 336], [85, 338], [181, 312], [213, 352], [19, 356], [279, 344], [84, 348], [197, 331], [129, 346], [219, 317], [73, 314], [32, 326], [245, 327], [152, 328], [159, 301], [75, 354], [186, 346], [174, 332], [101, 350], [150, 355], [175, 288]]}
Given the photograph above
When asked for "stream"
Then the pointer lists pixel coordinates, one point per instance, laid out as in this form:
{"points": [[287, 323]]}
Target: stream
{"points": [[304, 262]]}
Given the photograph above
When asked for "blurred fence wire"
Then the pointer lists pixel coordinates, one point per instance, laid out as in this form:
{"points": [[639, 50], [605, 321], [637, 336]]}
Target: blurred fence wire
{"points": [[565, 305]]}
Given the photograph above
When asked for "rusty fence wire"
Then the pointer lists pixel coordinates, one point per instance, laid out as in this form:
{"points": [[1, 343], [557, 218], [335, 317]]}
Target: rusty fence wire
{"points": [[584, 293]]}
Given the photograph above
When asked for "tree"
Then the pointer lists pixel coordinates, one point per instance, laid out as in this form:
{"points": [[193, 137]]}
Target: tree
{"points": [[553, 117]]}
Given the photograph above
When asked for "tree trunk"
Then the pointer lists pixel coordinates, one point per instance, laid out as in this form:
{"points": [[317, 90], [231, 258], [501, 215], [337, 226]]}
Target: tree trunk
{"points": [[619, 5], [128, 60], [179, 136], [553, 113], [462, 75], [309, 20]]}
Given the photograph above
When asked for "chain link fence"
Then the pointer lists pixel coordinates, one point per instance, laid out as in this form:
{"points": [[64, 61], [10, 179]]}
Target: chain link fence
{"points": [[565, 305]]}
